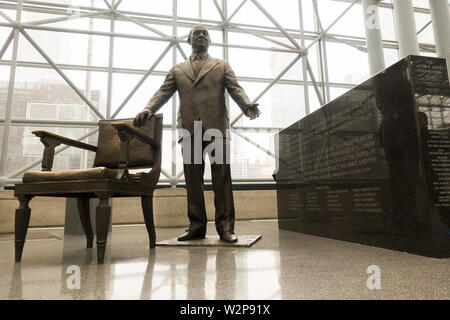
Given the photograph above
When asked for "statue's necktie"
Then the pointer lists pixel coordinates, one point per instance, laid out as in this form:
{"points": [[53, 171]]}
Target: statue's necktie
{"points": [[197, 65]]}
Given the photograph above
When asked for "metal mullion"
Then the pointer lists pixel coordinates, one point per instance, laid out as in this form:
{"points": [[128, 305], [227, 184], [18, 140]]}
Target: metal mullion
{"points": [[87, 32], [68, 17], [341, 15], [257, 145], [107, 4], [304, 66], [61, 73], [165, 173], [162, 73], [179, 18], [143, 25], [358, 40], [112, 25], [313, 80], [257, 129], [93, 8], [424, 27], [57, 150], [322, 42], [325, 70], [141, 81], [225, 52], [56, 123], [355, 46], [88, 91], [322, 51], [275, 22], [221, 13], [6, 44], [151, 18], [181, 51], [237, 46], [275, 80], [316, 14], [53, 4], [8, 18], [9, 100], [320, 66], [117, 4], [174, 98], [320, 30], [236, 10], [261, 36]]}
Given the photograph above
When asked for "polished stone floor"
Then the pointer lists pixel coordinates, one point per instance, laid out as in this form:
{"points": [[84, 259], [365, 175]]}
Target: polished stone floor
{"points": [[282, 265]]}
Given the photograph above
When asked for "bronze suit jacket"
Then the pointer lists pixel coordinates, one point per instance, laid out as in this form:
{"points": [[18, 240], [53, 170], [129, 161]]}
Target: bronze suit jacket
{"points": [[202, 97]]}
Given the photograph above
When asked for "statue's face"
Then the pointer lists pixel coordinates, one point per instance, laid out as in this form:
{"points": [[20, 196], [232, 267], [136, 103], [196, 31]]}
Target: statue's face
{"points": [[200, 39]]}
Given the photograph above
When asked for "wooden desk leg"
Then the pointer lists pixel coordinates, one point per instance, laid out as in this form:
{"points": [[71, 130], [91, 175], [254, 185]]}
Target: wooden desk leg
{"points": [[147, 209], [103, 217], [85, 218], [22, 220]]}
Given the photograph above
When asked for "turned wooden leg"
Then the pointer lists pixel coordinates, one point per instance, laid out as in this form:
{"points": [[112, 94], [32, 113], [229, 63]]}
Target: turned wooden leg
{"points": [[103, 217], [147, 209], [85, 218], [21, 224]]}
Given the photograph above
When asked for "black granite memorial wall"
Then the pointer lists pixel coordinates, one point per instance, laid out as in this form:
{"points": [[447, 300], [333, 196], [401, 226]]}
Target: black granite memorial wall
{"points": [[373, 166]]}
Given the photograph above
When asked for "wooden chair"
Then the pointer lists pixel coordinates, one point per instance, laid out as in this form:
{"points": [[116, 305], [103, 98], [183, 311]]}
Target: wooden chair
{"points": [[120, 147]]}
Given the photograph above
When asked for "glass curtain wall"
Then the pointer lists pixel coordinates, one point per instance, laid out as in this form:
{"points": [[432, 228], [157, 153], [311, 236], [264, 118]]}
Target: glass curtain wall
{"points": [[66, 64]]}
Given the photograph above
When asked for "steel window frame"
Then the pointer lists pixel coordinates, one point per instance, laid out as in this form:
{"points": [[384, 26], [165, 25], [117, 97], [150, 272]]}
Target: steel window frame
{"points": [[149, 22]]}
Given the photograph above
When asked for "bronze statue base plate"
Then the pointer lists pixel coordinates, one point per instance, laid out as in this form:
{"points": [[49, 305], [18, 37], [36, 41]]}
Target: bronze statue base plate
{"points": [[212, 241]]}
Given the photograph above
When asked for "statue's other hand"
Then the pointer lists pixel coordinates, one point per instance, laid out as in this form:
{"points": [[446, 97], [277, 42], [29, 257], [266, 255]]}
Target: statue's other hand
{"points": [[252, 111], [141, 117]]}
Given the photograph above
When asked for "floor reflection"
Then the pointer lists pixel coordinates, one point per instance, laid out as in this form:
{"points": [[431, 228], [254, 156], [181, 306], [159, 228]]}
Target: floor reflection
{"points": [[193, 273], [15, 287], [212, 274], [292, 266]]}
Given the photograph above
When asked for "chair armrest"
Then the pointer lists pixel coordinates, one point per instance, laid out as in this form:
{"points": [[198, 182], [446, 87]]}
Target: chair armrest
{"points": [[135, 133], [51, 141], [63, 140]]}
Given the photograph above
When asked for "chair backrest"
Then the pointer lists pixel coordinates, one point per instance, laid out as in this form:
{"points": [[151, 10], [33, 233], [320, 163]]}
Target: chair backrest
{"points": [[141, 155]]}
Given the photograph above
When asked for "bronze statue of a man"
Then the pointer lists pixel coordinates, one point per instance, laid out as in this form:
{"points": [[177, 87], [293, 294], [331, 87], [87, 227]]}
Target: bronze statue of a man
{"points": [[201, 81]]}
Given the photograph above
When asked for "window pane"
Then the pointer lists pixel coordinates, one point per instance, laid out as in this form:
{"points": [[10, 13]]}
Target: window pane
{"points": [[4, 81], [346, 64], [154, 7], [351, 23]]}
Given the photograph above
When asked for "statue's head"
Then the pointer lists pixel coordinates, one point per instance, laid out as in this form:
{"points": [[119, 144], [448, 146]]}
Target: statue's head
{"points": [[199, 38]]}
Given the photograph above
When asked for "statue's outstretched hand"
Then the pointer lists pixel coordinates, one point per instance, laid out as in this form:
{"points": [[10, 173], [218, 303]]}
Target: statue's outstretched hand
{"points": [[252, 111], [141, 117]]}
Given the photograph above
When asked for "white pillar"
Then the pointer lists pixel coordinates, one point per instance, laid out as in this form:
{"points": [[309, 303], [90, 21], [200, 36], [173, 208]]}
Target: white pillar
{"points": [[373, 36], [440, 17], [405, 25]]}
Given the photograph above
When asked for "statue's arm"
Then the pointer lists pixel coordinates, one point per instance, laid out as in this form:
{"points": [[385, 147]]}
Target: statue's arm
{"points": [[234, 89], [158, 100], [238, 94], [164, 93]]}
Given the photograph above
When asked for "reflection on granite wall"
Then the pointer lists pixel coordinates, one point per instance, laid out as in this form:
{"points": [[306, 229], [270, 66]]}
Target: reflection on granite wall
{"points": [[373, 166]]}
